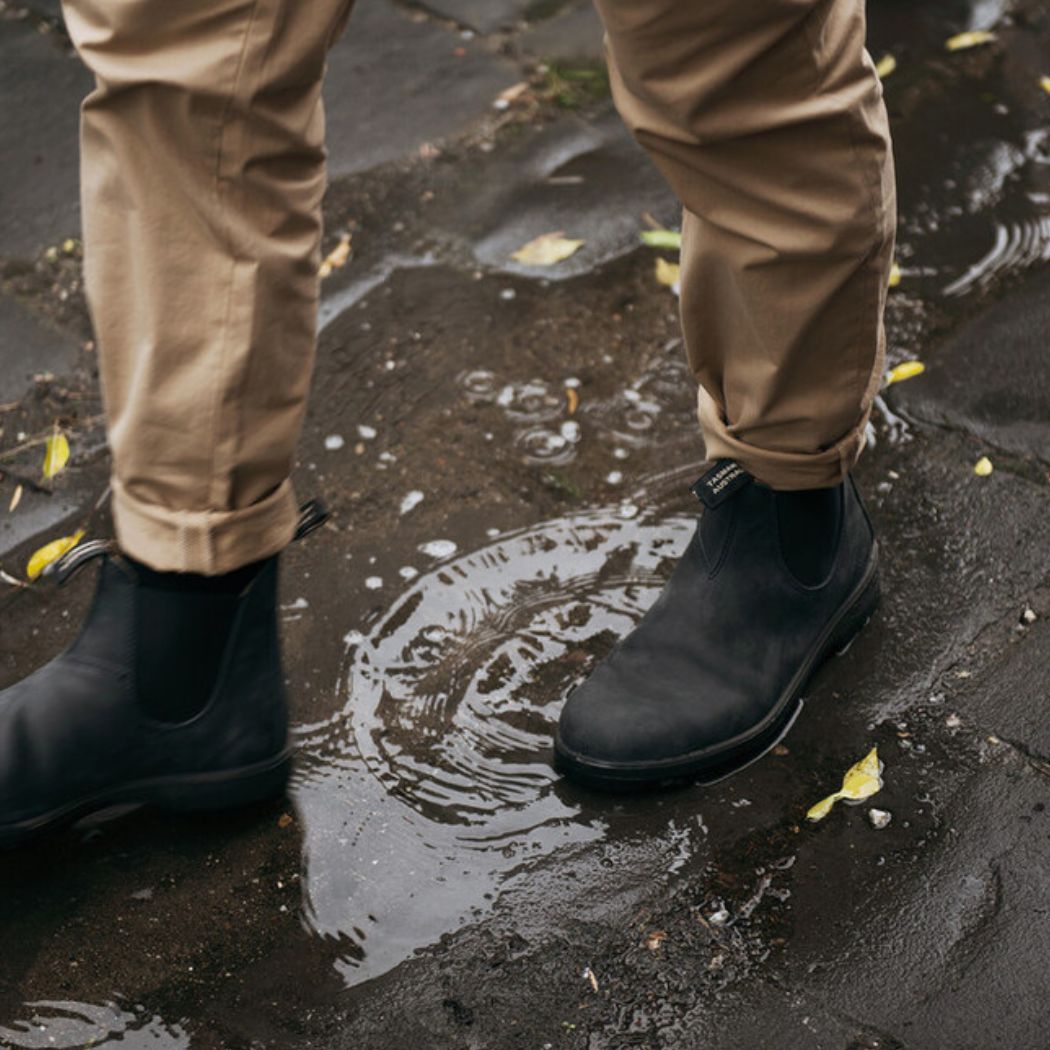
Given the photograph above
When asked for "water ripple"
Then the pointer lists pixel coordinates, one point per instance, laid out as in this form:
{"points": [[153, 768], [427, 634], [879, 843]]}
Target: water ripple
{"points": [[433, 784]]}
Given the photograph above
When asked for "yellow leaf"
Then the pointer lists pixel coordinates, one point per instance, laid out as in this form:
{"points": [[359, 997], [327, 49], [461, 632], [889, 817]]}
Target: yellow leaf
{"points": [[983, 467], [886, 65], [905, 370], [546, 250], [51, 552], [962, 41], [667, 273], [1044, 83], [56, 454], [671, 239], [860, 782], [895, 276], [572, 399], [336, 258]]}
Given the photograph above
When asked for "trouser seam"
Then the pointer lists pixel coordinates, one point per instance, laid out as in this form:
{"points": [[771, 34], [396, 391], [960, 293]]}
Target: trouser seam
{"points": [[214, 498]]}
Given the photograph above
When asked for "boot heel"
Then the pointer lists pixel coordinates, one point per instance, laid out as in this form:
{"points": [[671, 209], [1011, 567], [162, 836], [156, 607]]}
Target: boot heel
{"points": [[855, 619], [226, 790]]}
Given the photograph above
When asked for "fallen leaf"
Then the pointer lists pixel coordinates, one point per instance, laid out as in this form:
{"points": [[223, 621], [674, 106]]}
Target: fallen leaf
{"points": [[50, 553], [572, 399], [662, 238], [655, 939], [962, 41], [336, 258], [1044, 83], [588, 975], [860, 782], [284, 820], [983, 467], [546, 250], [895, 276], [56, 454], [667, 273], [905, 370], [886, 65], [16, 498]]}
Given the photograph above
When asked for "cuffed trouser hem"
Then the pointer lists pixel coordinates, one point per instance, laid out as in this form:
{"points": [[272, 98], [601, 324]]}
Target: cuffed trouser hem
{"points": [[206, 542], [780, 470]]}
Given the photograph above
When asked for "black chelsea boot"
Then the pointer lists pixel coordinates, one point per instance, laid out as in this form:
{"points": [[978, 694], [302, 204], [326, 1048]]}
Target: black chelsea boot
{"points": [[172, 695], [712, 676]]}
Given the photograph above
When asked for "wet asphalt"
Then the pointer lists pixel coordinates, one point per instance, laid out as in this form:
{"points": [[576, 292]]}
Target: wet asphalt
{"points": [[507, 456]]}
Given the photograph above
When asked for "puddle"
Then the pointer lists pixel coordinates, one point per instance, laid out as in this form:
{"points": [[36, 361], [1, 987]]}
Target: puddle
{"points": [[433, 784], [60, 1024]]}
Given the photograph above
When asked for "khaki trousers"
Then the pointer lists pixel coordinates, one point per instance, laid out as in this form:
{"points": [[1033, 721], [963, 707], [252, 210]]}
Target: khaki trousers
{"points": [[202, 178]]}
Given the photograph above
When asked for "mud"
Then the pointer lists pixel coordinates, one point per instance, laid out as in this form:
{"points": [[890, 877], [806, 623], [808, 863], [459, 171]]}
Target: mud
{"points": [[507, 460]]}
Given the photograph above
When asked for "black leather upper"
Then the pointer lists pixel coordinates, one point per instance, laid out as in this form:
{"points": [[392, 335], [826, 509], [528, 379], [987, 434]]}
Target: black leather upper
{"points": [[725, 639], [75, 728]]}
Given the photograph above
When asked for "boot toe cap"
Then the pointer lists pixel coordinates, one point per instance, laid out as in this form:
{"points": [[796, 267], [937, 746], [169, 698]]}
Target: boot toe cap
{"points": [[612, 724]]}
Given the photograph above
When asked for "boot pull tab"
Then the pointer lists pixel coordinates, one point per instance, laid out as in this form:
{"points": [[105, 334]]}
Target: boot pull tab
{"points": [[65, 568], [312, 515], [721, 482]]}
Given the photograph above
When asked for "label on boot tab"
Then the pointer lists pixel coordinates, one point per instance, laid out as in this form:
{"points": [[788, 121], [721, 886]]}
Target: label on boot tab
{"points": [[720, 482]]}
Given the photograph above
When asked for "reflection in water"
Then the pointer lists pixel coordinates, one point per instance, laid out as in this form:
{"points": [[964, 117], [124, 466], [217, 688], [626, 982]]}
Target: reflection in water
{"points": [[61, 1024], [432, 788], [1022, 226]]}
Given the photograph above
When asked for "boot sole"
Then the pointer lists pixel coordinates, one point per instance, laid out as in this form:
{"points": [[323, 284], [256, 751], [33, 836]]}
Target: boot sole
{"points": [[710, 765], [185, 793]]}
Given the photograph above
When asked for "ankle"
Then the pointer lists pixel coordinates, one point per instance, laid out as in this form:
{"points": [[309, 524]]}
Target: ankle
{"points": [[194, 583], [809, 523], [184, 622]]}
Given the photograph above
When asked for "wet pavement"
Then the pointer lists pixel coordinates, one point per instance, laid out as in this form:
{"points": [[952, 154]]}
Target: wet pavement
{"points": [[507, 456]]}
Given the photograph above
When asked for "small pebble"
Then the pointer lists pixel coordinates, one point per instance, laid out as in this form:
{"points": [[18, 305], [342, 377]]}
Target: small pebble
{"points": [[334, 442], [879, 818], [439, 548], [407, 572], [373, 583], [366, 432], [614, 477], [413, 499]]}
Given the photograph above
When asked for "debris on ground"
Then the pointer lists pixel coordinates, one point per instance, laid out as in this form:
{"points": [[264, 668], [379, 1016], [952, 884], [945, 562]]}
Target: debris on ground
{"points": [[879, 818], [861, 781], [547, 249], [964, 41]]}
